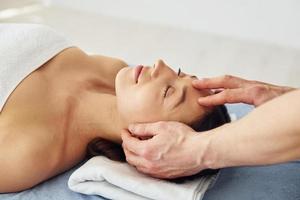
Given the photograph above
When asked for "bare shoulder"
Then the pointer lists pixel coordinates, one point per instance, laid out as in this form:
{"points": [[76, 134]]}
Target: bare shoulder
{"points": [[22, 166]]}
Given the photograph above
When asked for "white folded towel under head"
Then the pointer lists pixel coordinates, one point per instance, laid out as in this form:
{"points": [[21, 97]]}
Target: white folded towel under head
{"points": [[116, 180]]}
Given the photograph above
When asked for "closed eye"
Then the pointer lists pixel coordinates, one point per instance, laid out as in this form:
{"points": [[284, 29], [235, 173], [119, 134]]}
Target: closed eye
{"points": [[165, 94]]}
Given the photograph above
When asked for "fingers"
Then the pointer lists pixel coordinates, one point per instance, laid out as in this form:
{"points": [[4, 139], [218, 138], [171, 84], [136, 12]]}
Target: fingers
{"points": [[226, 96], [131, 143], [143, 165], [226, 81], [146, 129], [133, 153], [152, 173], [135, 160]]}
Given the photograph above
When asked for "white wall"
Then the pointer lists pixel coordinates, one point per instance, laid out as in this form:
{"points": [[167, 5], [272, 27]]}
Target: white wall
{"points": [[6, 4], [275, 21]]}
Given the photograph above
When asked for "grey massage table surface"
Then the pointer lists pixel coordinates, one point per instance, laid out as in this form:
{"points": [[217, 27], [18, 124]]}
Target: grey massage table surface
{"points": [[240, 183]]}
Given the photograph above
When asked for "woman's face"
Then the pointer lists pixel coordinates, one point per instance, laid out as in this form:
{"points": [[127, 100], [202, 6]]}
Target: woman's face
{"points": [[150, 94]]}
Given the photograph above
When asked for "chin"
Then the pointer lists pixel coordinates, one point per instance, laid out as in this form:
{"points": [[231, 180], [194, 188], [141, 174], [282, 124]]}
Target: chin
{"points": [[120, 79]]}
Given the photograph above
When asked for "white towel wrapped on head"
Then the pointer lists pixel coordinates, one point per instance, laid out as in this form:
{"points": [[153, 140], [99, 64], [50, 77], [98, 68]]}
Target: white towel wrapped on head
{"points": [[117, 180]]}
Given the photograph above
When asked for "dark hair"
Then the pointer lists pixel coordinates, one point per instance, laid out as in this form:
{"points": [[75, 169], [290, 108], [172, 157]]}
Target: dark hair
{"points": [[113, 151]]}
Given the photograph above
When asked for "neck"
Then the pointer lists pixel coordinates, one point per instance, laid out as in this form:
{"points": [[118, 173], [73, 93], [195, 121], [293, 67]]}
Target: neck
{"points": [[99, 117]]}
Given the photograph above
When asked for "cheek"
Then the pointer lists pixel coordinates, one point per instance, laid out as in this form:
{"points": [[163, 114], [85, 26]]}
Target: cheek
{"points": [[135, 106]]}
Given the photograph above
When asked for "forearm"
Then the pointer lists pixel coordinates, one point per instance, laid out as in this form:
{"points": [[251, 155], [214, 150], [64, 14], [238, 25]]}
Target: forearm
{"points": [[269, 134]]}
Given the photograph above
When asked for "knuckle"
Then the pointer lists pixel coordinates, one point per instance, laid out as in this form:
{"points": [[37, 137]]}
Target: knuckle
{"points": [[148, 155], [143, 152], [257, 90], [161, 124], [227, 78], [173, 125], [136, 128], [171, 128], [257, 93], [226, 94], [147, 152], [140, 128]]}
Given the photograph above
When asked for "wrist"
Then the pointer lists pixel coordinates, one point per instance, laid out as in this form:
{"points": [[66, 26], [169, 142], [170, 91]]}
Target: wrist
{"points": [[206, 156], [216, 148]]}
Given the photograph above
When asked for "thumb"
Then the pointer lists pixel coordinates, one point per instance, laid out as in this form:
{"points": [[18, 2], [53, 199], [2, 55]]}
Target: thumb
{"points": [[144, 129]]}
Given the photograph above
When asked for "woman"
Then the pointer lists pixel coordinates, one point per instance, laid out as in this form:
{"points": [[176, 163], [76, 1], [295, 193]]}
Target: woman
{"points": [[53, 113]]}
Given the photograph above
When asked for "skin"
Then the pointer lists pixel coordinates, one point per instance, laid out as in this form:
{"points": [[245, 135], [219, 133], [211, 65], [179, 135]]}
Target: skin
{"points": [[40, 133], [231, 89], [59, 108], [168, 153], [149, 95]]}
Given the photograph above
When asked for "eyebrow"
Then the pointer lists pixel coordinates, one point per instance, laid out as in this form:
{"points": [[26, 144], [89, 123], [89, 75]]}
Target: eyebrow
{"points": [[181, 99]]}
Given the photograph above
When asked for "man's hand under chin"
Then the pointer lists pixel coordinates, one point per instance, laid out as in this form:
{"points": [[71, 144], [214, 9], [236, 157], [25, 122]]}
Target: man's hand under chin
{"points": [[171, 150]]}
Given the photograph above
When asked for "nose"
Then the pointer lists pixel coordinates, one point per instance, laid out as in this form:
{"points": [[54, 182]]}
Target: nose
{"points": [[157, 68]]}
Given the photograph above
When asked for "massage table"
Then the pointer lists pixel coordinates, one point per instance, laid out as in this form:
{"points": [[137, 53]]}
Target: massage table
{"points": [[274, 182]]}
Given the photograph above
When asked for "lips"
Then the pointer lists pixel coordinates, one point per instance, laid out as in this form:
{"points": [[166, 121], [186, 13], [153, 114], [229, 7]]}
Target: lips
{"points": [[137, 72]]}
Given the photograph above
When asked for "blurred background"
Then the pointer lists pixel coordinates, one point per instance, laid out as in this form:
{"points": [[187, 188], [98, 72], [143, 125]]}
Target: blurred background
{"points": [[254, 39]]}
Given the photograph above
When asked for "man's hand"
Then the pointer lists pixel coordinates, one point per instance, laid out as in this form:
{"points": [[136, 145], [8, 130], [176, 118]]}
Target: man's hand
{"points": [[171, 150], [231, 89]]}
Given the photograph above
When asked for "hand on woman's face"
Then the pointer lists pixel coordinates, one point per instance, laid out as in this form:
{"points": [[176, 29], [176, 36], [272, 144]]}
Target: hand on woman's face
{"points": [[149, 94]]}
